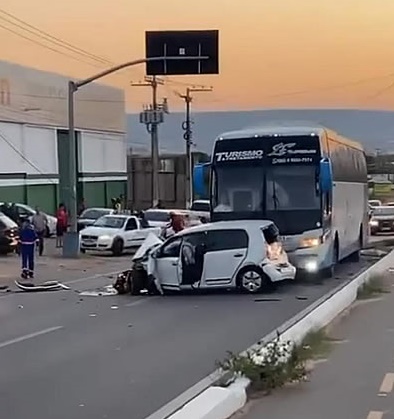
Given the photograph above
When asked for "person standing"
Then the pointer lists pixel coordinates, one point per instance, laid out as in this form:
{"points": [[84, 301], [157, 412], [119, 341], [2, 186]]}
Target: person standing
{"points": [[28, 238], [40, 224], [61, 225]]}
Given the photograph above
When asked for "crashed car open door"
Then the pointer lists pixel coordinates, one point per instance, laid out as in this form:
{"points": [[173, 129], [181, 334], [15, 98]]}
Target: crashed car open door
{"points": [[167, 263]]}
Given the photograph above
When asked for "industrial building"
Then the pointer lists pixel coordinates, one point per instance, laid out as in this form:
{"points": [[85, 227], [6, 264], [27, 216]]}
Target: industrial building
{"points": [[33, 132]]}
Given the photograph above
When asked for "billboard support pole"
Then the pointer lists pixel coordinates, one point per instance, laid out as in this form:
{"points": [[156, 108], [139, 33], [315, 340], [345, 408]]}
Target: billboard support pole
{"points": [[71, 239]]}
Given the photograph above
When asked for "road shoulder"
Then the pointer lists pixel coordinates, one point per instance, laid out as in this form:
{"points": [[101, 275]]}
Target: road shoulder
{"points": [[353, 381]]}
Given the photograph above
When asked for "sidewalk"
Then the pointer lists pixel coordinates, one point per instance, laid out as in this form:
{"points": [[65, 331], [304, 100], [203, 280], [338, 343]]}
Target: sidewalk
{"points": [[357, 379], [52, 267]]}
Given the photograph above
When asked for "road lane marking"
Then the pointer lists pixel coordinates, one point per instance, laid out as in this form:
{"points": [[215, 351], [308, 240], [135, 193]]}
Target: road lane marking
{"points": [[375, 415], [387, 383], [29, 336]]}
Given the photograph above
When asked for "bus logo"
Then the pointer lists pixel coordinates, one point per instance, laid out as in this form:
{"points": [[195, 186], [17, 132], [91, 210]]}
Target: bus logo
{"points": [[239, 155], [281, 149]]}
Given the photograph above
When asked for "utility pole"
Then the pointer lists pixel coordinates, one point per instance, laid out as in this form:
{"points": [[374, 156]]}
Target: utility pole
{"points": [[152, 117], [187, 127]]}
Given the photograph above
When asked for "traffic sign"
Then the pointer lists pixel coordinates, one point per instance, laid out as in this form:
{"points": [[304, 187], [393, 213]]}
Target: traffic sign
{"points": [[182, 44]]}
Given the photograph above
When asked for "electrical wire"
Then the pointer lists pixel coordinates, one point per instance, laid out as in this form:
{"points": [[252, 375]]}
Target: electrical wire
{"points": [[17, 151], [45, 46], [47, 37], [65, 98]]}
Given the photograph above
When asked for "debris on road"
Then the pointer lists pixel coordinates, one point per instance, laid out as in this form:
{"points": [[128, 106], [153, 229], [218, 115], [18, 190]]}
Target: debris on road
{"points": [[106, 291]]}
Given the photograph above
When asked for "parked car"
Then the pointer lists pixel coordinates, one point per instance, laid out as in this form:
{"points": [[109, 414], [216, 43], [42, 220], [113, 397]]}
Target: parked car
{"points": [[375, 203], [244, 254], [115, 233], [162, 217], [9, 235], [201, 207], [26, 211], [91, 215], [382, 220]]}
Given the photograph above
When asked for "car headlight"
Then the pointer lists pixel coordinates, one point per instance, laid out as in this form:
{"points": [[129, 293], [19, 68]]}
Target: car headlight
{"points": [[373, 223], [310, 242]]}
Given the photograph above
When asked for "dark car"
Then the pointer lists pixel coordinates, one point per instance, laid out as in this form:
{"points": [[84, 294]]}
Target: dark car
{"points": [[91, 215], [382, 220], [9, 235]]}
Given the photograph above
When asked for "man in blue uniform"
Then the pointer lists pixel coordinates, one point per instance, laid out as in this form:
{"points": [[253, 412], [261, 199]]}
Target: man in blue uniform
{"points": [[28, 238]]}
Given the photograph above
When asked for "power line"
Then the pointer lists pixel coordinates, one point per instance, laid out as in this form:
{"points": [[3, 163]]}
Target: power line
{"points": [[332, 87], [9, 143], [50, 38], [45, 46], [65, 98]]}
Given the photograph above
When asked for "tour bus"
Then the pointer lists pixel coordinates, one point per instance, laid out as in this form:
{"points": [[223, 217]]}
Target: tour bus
{"points": [[309, 180]]}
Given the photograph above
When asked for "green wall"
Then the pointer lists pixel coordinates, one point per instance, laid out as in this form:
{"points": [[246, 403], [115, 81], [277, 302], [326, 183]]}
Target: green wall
{"points": [[46, 196], [13, 194]]}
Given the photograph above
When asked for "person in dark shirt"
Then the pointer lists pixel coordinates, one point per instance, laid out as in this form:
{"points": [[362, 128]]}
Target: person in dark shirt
{"points": [[28, 239]]}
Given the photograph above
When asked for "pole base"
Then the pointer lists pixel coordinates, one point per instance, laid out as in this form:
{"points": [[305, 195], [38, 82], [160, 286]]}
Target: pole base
{"points": [[71, 245]]}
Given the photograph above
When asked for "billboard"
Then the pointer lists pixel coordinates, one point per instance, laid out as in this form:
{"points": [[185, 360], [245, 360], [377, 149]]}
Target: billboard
{"points": [[37, 97]]}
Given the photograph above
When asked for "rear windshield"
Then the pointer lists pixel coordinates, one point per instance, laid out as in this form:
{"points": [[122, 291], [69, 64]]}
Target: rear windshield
{"points": [[200, 206], [160, 216], [383, 211]]}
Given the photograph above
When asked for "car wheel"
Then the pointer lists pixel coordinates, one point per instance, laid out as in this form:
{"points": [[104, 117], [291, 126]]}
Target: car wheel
{"points": [[253, 280], [117, 247], [136, 279]]}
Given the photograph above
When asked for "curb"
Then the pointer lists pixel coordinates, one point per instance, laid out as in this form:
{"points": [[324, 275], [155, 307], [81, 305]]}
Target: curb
{"points": [[217, 402]]}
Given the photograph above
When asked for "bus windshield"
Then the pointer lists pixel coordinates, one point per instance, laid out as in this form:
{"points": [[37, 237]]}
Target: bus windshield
{"points": [[292, 188], [242, 189]]}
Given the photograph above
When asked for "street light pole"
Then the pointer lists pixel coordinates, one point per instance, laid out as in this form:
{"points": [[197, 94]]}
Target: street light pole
{"points": [[71, 239]]}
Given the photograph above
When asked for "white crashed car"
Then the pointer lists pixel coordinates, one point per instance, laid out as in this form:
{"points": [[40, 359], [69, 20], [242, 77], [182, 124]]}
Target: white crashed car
{"points": [[243, 254]]}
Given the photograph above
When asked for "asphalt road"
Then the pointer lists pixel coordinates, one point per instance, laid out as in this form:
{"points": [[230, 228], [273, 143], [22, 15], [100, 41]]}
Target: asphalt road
{"points": [[124, 357], [357, 379]]}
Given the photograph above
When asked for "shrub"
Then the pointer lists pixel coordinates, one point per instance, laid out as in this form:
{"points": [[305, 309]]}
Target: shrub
{"points": [[269, 367]]}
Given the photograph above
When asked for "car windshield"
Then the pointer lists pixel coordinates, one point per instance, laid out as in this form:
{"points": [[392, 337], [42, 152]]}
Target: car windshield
{"points": [[160, 216], [383, 211], [95, 214], [292, 188], [200, 206], [110, 222]]}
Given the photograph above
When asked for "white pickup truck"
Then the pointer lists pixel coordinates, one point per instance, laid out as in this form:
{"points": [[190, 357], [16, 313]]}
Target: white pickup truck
{"points": [[115, 233]]}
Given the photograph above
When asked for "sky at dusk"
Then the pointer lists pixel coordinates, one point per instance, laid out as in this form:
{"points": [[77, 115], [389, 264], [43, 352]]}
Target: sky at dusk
{"points": [[273, 53]]}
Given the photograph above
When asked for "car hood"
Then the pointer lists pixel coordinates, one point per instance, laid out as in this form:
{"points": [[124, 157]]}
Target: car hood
{"points": [[149, 244], [99, 231], [86, 221]]}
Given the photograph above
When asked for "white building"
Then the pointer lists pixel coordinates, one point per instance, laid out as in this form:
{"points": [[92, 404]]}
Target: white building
{"points": [[33, 131]]}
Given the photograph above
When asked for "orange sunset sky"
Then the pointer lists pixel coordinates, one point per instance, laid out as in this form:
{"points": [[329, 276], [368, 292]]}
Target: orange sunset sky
{"points": [[274, 53]]}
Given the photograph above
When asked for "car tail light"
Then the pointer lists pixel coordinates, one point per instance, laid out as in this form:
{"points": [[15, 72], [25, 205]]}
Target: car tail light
{"points": [[274, 250]]}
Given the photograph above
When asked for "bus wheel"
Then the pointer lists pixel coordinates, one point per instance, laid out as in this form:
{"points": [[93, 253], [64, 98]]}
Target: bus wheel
{"points": [[355, 257], [329, 272]]}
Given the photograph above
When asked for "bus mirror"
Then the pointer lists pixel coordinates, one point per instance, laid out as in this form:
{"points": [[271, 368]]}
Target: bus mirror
{"points": [[325, 175], [199, 178]]}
